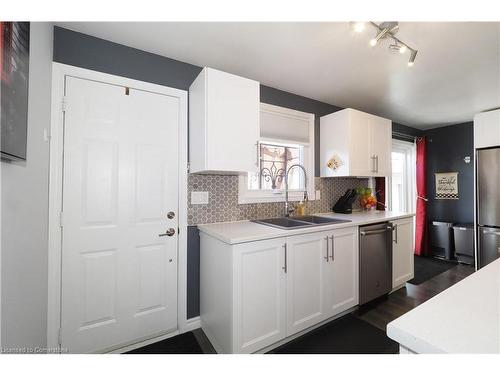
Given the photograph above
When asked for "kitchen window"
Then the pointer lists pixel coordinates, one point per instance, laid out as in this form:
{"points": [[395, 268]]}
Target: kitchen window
{"points": [[401, 186], [287, 138], [275, 159]]}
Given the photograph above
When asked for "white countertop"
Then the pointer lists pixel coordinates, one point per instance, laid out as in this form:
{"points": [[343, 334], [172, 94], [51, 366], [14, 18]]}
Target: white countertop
{"points": [[235, 232], [464, 318]]}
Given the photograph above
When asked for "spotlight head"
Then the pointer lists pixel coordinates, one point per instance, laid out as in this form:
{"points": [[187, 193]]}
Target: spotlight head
{"points": [[413, 54], [381, 33]]}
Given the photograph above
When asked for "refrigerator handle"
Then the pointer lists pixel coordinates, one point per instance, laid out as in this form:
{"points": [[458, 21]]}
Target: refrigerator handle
{"points": [[492, 233]]}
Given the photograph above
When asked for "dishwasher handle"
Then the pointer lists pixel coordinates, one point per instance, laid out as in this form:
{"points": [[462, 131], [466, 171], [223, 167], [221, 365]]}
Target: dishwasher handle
{"points": [[376, 231]]}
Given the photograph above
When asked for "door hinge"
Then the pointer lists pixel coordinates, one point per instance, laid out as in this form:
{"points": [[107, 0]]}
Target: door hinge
{"points": [[188, 167], [59, 337], [64, 104], [61, 219]]}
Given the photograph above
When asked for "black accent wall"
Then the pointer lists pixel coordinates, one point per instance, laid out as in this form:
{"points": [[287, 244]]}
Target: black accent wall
{"points": [[85, 51], [446, 149]]}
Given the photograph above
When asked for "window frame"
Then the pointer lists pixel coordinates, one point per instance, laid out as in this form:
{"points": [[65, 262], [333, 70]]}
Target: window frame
{"points": [[246, 196], [409, 149]]}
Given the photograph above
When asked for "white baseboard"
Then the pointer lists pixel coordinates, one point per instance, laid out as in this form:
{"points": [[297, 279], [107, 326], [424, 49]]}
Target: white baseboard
{"points": [[191, 324], [140, 344]]}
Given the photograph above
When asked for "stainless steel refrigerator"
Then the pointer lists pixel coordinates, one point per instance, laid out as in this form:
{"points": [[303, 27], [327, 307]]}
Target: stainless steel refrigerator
{"points": [[488, 205]]}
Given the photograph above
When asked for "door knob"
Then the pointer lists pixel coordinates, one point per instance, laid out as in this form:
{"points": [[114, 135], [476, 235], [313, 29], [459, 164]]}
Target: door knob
{"points": [[170, 214], [170, 232]]}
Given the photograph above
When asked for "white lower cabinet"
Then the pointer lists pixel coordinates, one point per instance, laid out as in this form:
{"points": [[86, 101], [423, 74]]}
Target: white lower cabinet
{"points": [[341, 272], [305, 281], [402, 252], [258, 293]]}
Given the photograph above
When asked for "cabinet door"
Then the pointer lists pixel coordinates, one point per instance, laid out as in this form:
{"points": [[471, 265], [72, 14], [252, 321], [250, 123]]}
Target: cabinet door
{"points": [[402, 251], [259, 295], [487, 129], [360, 157], [381, 145], [340, 273], [306, 255], [233, 108]]}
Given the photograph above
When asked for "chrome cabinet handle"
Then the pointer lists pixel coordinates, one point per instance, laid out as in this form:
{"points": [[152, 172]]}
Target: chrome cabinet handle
{"points": [[170, 232], [285, 268], [376, 161], [333, 249], [327, 249], [373, 163], [395, 229]]}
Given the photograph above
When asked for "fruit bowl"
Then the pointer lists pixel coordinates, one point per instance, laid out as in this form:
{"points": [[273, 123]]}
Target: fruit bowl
{"points": [[366, 200]]}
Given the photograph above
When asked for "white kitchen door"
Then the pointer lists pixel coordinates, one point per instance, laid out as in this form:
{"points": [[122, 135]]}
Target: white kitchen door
{"points": [[120, 180]]}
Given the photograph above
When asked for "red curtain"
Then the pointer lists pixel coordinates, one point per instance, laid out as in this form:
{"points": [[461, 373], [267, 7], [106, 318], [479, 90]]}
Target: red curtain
{"points": [[421, 247], [380, 192]]}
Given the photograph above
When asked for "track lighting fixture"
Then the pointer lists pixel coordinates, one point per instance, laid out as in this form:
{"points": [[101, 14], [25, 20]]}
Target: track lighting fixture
{"points": [[387, 30]]}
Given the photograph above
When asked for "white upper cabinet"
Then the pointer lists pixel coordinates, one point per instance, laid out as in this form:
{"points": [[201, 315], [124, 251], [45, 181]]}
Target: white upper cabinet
{"points": [[223, 123], [487, 129], [355, 143]]}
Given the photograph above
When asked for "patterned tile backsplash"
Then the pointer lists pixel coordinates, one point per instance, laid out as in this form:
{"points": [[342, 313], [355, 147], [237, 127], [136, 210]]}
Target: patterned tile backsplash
{"points": [[223, 199]]}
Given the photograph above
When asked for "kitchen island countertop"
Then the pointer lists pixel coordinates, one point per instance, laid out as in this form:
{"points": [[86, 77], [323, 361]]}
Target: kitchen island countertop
{"points": [[464, 318]]}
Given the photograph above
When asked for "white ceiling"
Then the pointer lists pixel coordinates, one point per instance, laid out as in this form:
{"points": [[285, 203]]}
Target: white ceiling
{"points": [[456, 73]]}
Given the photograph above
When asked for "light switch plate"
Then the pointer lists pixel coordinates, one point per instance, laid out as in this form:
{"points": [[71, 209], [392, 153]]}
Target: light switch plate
{"points": [[199, 197], [318, 194]]}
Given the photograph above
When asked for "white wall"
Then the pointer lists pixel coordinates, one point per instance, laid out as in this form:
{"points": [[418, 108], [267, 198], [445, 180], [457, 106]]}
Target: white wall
{"points": [[24, 205]]}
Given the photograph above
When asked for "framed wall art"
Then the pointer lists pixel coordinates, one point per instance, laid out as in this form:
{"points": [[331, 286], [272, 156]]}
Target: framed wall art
{"points": [[446, 185]]}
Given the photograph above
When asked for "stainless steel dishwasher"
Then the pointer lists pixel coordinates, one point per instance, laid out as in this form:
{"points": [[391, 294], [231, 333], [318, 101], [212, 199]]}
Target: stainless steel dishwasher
{"points": [[375, 261]]}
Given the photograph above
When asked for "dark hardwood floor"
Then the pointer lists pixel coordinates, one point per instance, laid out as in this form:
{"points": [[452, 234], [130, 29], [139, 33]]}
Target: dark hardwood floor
{"points": [[379, 313]]}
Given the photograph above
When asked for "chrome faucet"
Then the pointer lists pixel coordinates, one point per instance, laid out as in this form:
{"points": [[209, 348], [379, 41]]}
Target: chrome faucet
{"points": [[288, 211]]}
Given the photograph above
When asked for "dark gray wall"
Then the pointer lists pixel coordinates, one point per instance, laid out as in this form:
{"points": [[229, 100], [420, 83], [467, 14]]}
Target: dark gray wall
{"points": [[88, 52], [446, 149], [193, 272], [300, 103], [403, 129]]}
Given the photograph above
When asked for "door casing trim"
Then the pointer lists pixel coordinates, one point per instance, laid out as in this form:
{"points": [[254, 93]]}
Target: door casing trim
{"points": [[59, 72]]}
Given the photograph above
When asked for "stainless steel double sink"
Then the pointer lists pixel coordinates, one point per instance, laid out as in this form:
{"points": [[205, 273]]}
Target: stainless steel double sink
{"points": [[297, 222]]}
